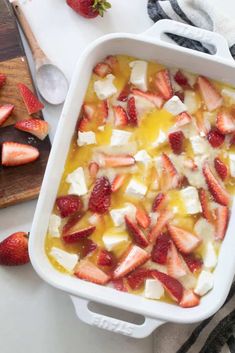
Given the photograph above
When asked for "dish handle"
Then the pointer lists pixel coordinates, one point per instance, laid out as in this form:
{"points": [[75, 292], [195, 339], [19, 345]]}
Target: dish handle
{"points": [[111, 324], [169, 26]]}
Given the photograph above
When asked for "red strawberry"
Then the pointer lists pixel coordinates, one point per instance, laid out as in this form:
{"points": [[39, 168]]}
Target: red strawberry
{"points": [[75, 236], [176, 140], [72, 225], [86, 270], [83, 124], [171, 178], [123, 96], [3, 79], [5, 112], [14, 250], [232, 141], [118, 182], [189, 299], [217, 190], [112, 61], [89, 8], [159, 202], [221, 168], [162, 221], [119, 284], [183, 119], [225, 123], [154, 98], [194, 263], [104, 109], [88, 247], [136, 233], [173, 287], [88, 110], [33, 105], [68, 205], [100, 198], [105, 258], [142, 218], [133, 258], [93, 169], [210, 95], [205, 205], [116, 160], [180, 94], [175, 264], [120, 116], [185, 241], [131, 111], [222, 215], [163, 84], [215, 138], [181, 79], [160, 249], [36, 127], [102, 69], [14, 154], [137, 278]]}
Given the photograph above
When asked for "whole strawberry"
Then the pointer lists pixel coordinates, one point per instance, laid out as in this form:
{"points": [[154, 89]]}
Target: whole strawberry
{"points": [[14, 250], [89, 8]]}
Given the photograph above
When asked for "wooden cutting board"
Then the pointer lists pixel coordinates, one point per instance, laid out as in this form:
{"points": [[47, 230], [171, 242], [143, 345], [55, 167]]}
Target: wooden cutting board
{"points": [[20, 183]]}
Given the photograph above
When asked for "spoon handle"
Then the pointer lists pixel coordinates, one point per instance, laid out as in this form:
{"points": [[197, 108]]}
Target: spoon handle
{"points": [[38, 54]]}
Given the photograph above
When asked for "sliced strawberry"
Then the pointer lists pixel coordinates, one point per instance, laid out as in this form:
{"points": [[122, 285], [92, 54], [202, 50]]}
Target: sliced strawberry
{"points": [[133, 258], [194, 263], [160, 249], [83, 124], [142, 218], [215, 138], [232, 141], [112, 61], [88, 247], [220, 168], [118, 182], [5, 112], [136, 233], [89, 272], [180, 94], [103, 108], [119, 284], [210, 95], [93, 169], [175, 264], [116, 160], [14, 154], [181, 79], [159, 202], [171, 178], [137, 278], [154, 98], [207, 214], [79, 234], [163, 84], [173, 287], [131, 111], [33, 105], [88, 110], [185, 241], [225, 123], [100, 198], [162, 221], [183, 119], [102, 69], [105, 258], [120, 116], [189, 299], [203, 126], [3, 79], [68, 205], [36, 127], [222, 215], [72, 225], [216, 189], [123, 96], [176, 140]]}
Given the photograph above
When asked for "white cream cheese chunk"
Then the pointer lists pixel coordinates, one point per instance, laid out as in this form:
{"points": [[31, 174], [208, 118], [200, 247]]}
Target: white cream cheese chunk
{"points": [[160, 140], [54, 226], [105, 88], [175, 106], [139, 74], [228, 93], [118, 214], [232, 164], [142, 156], [78, 182], [191, 200], [199, 145], [120, 137], [153, 289], [65, 259], [205, 283], [86, 138], [191, 101], [113, 239], [136, 189], [210, 257]]}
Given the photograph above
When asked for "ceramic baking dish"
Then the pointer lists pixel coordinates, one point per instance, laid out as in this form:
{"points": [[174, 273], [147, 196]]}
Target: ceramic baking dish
{"points": [[150, 45]]}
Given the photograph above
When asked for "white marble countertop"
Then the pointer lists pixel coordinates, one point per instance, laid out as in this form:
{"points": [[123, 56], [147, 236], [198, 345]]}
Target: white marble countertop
{"points": [[34, 316]]}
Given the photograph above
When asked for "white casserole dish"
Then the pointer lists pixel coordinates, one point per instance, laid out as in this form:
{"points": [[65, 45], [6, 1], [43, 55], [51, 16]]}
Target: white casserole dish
{"points": [[150, 45]]}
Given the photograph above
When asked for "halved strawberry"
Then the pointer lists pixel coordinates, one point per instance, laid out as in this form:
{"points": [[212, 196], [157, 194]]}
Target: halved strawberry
{"points": [[68, 205], [176, 140], [105, 258], [189, 299], [162, 221], [194, 263], [131, 111], [222, 216], [183, 119], [36, 127], [136, 233], [159, 202], [33, 105], [204, 200], [88, 247], [72, 224], [137, 278], [181, 79], [215, 138], [78, 234], [210, 95], [220, 168], [14, 154], [160, 249], [123, 96], [185, 241], [83, 124], [225, 123], [175, 265], [86, 270], [5, 112], [170, 176], [93, 169], [3, 79], [154, 98], [142, 218], [163, 84], [14, 250], [133, 258], [120, 116], [119, 284], [100, 198], [216, 189], [173, 287], [116, 160], [102, 69], [118, 182]]}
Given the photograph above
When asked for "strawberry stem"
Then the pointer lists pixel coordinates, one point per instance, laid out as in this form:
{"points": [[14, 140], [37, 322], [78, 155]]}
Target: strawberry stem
{"points": [[101, 6]]}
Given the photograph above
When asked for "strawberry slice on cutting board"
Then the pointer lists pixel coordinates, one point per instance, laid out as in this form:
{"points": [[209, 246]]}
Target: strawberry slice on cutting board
{"points": [[14, 154], [172, 286], [33, 105], [5, 112], [36, 127], [88, 271], [210, 95]]}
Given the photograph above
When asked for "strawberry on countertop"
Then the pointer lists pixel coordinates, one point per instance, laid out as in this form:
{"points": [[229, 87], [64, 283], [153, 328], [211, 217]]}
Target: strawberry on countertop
{"points": [[210, 95], [100, 198], [68, 205], [89, 8], [14, 250], [14, 154], [5, 112], [36, 127], [33, 105]]}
